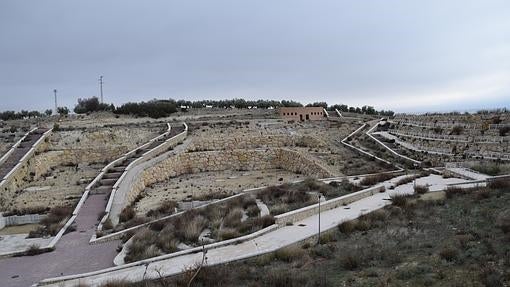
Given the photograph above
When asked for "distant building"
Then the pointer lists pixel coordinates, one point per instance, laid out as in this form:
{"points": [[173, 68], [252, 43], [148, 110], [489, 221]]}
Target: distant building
{"points": [[302, 113]]}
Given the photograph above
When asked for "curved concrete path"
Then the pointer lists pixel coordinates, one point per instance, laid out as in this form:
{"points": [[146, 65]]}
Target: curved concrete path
{"points": [[72, 255], [263, 244]]}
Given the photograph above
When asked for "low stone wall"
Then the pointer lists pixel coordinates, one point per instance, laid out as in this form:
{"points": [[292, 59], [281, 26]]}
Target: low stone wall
{"points": [[119, 234], [302, 213], [252, 142], [344, 142], [43, 162], [238, 159], [20, 219], [368, 133]]}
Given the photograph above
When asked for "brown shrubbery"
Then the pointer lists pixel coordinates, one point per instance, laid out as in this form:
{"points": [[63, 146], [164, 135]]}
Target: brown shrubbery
{"points": [[127, 214], [503, 221], [53, 222], [287, 197], [376, 178], [400, 200], [166, 208], [224, 221], [457, 244], [421, 189]]}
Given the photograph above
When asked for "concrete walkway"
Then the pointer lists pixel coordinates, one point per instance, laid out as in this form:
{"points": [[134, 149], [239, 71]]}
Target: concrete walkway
{"points": [[468, 173], [72, 255], [132, 175], [265, 243], [19, 243]]}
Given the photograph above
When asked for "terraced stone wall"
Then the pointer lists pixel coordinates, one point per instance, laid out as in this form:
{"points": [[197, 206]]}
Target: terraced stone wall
{"points": [[252, 142], [237, 159]]}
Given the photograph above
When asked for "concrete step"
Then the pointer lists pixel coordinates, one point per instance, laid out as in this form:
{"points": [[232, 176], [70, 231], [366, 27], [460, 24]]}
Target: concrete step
{"points": [[110, 175], [101, 189], [108, 181], [119, 168]]}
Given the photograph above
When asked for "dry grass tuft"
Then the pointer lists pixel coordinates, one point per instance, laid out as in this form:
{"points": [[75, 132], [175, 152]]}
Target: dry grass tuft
{"points": [[376, 178], [289, 254], [449, 253], [421, 189], [127, 214], [400, 200]]}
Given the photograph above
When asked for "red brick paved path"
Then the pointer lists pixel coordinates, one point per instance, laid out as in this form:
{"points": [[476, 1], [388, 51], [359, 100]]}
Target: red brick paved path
{"points": [[72, 255]]}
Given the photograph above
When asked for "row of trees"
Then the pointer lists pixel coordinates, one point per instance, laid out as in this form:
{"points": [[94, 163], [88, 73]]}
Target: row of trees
{"points": [[153, 109], [368, 110], [92, 105], [12, 115], [238, 103], [163, 108]]}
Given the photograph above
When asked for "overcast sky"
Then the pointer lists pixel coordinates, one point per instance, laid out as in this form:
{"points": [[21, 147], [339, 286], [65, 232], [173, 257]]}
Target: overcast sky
{"points": [[401, 55]]}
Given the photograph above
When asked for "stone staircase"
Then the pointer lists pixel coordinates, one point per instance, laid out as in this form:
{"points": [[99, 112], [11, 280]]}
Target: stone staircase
{"points": [[113, 174], [20, 151]]}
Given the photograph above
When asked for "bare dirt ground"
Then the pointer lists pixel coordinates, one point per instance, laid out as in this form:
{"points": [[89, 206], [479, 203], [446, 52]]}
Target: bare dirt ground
{"points": [[197, 185], [18, 229], [330, 152], [62, 186]]}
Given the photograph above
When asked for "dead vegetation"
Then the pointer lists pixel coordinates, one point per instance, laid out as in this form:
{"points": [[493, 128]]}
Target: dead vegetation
{"points": [[233, 218], [461, 240], [376, 178], [53, 222], [286, 197]]}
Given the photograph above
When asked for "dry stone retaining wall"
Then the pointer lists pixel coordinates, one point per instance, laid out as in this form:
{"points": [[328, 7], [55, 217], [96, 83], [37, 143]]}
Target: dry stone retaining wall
{"points": [[14, 180], [238, 159], [252, 142]]}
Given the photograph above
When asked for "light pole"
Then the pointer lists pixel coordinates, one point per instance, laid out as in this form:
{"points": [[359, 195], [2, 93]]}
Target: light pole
{"points": [[56, 107], [319, 234], [101, 87], [192, 195]]}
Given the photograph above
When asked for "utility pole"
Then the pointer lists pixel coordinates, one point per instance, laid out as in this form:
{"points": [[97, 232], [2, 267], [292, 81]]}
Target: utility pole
{"points": [[56, 107], [101, 87]]}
